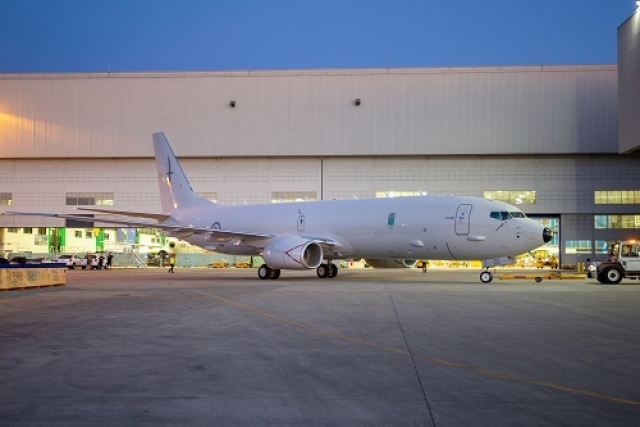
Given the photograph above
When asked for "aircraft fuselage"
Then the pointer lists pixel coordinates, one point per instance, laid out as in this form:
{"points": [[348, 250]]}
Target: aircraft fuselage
{"points": [[431, 227]]}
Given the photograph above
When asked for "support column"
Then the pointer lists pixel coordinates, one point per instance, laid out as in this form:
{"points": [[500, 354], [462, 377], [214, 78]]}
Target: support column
{"points": [[2, 240]]}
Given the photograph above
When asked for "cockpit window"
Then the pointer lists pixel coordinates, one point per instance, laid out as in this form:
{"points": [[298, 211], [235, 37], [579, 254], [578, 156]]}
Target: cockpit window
{"points": [[503, 216]]}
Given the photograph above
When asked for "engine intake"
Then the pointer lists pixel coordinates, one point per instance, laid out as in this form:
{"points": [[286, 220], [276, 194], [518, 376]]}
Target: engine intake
{"points": [[293, 252]]}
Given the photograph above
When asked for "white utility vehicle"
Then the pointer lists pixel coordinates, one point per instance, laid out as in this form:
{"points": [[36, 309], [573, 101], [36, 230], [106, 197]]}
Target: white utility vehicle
{"points": [[72, 261], [624, 262]]}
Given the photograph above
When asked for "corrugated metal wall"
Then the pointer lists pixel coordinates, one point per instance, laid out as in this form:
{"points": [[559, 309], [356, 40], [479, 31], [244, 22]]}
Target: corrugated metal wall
{"points": [[515, 110], [629, 77]]}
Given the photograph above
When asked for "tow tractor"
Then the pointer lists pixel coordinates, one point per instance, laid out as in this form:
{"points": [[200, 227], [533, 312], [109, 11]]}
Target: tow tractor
{"points": [[487, 277], [624, 262]]}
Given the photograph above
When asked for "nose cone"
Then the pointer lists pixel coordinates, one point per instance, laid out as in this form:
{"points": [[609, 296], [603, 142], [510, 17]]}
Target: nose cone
{"points": [[547, 234]]}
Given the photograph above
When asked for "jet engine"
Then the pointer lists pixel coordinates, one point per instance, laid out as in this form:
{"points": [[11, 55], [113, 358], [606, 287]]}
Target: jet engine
{"points": [[293, 252], [391, 263]]}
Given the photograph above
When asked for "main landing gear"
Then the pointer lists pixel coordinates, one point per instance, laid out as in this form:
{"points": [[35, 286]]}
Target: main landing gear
{"points": [[327, 271], [265, 272], [324, 271]]}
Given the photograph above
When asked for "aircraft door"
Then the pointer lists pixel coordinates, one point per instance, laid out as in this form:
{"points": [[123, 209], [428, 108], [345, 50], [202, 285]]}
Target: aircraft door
{"points": [[462, 220]]}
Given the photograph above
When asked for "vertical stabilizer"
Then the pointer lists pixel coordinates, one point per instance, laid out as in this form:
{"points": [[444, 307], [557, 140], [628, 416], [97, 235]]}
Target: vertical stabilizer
{"points": [[175, 191]]}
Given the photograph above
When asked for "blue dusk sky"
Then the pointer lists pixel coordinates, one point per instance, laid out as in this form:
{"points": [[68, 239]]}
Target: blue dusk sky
{"points": [[193, 35]]}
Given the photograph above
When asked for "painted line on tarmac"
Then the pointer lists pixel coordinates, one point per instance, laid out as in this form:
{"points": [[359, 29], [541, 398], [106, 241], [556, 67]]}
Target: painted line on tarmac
{"points": [[436, 360]]}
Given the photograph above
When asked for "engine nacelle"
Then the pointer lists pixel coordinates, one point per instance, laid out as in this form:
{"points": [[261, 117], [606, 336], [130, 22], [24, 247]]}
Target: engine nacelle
{"points": [[293, 252], [391, 263]]}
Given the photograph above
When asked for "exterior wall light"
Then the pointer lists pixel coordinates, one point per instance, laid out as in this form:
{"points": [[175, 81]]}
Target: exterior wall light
{"points": [[357, 102], [232, 104]]}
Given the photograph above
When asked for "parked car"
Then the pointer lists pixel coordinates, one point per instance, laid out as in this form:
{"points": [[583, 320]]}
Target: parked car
{"points": [[72, 261]]}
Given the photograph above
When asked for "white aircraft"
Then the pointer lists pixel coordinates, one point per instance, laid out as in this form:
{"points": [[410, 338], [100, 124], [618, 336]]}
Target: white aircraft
{"points": [[310, 235]]}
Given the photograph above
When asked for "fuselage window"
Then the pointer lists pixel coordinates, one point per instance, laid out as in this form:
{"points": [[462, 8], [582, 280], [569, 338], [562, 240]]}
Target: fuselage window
{"points": [[392, 219]]}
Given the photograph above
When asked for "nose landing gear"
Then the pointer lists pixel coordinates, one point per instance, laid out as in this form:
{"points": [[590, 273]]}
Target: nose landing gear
{"points": [[486, 276]]}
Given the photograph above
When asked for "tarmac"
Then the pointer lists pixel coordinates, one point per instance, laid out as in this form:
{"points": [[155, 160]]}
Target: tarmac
{"points": [[219, 347]]}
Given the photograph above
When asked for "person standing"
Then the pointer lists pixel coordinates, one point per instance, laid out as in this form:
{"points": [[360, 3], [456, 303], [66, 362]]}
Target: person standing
{"points": [[172, 262], [109, 261]]}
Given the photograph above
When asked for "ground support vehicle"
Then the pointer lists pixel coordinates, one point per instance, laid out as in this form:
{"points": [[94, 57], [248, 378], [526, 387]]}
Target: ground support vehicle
{"points": [[624, 262], [72, 261]]}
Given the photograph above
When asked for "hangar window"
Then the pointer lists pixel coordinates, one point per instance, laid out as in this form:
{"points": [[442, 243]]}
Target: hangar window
{"points": [[213, 196], [578, 247], [91, 199], [399, 193], [617, 221], [6, 199], [513, 197], [12, 230], [617, 197], [292, 196]]}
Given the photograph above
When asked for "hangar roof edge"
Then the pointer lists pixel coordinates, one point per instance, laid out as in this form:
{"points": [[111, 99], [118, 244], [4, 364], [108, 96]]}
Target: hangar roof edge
{"points": [[315, 72]]}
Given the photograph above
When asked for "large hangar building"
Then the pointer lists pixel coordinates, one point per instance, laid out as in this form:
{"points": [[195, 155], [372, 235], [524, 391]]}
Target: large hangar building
{"points": [[559, 141]]}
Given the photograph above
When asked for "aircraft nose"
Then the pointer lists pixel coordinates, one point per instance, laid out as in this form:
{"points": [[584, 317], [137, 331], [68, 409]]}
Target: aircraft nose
{"points": [[547, 234]]}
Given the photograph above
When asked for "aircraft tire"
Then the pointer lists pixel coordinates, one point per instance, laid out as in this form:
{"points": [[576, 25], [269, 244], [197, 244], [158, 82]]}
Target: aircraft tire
{"points": [[274, 274], [264, 272], [486, 277], [333, 271], [322, 271]]}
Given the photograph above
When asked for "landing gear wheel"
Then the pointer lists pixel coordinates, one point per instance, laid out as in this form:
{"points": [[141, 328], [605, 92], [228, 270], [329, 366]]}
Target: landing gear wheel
{"points": [[333, 271], [264, 272], [322, 271], [613, 275], [538, 279], [275, 273], [486, 277]]}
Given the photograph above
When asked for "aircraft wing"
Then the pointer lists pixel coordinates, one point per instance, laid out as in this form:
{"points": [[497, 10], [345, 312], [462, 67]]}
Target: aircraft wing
{"points": [[215, 235], [167, 226], [158, 217], [123, 221]]}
